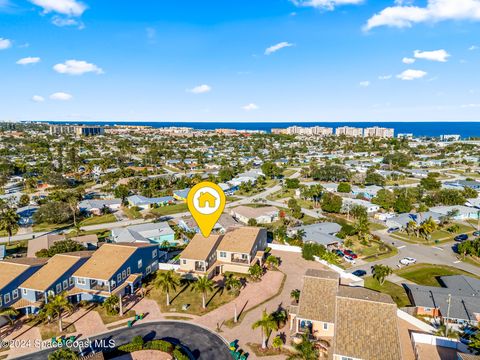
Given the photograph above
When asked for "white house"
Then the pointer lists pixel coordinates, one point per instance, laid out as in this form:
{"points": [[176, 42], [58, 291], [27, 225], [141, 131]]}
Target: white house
{"points": [[262, 215], [464, 212], [349, 203]]}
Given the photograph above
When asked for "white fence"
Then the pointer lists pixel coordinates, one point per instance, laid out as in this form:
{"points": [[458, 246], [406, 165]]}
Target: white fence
{"points": [[438, 341], [279, 247], [165, 266]]}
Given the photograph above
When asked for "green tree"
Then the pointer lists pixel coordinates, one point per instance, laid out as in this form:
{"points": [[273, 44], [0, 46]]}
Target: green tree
{"points": [[292, 183], [9, 221], [122, 192], [272, 262], [344, 187], [9, 313], [385, 199], [56, 307], [380, 272], [430, 183], [166, 281], [63, 354], [474, 344], [277, 343], [232, 284], [331, 203], [306, 349], [252, 222], [374, 178], [24, 200], [255, 272], [203, 285], [295, 295], [61, 247], [111, 305], [268, 324]]}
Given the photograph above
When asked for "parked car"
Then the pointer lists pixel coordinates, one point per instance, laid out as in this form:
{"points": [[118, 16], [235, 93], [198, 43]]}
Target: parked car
{"points": [[461, 237], [338, 252], [408, 261], [359, 273], [349, 259], [391, 230], [476, 233], [350, 253]]}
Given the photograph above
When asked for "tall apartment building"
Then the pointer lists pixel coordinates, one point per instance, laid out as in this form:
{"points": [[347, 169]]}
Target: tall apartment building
{"points": [[78, 130], [377, 131], [299, 130], [349, 131]]}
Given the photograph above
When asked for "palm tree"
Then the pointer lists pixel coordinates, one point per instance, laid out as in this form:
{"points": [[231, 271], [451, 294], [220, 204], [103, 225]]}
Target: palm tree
{"points": [[111, 305], [56, 306], [9, 221], [167, 281], [63, 354], [295, 295], [272, 262], [268, 324], [428, 227], [8, 313], [277, 343], [232, 283], [255, 271], [203, 285], [306, 350], [380, 272], [299, 235]]}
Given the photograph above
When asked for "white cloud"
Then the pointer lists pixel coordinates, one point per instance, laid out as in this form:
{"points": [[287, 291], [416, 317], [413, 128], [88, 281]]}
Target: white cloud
{"points": [[365, 83], [61, 22], [250, 107], [200, 89], [274, 48], [407, 60], [28, 60], [473, 47], [384, 77], [411, 74], [402, 16], [471, 106], [77, 67], [435, 55], [64, 7], [5, 43], [62, 96], [325, 4], [38, 98]]}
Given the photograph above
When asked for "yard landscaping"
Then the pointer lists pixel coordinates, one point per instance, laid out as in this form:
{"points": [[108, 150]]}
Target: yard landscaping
{"points": [[107, 318], [427, 274], [375, 250], [397, 292], [169, 209], [438, 236], [47, 227], [49, 330], [102, 219], [132, 213]]}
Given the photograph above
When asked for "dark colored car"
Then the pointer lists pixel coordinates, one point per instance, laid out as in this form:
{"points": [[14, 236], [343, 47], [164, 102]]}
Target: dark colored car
{"points": [[359, 273], [476, 233], [350, 253], [391, 230], [461, 237], [338, 252]]}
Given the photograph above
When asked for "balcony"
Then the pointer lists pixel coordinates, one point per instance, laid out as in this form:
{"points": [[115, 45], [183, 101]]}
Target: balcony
{"points": [[94, 285], [200, 266], [238, 260]]}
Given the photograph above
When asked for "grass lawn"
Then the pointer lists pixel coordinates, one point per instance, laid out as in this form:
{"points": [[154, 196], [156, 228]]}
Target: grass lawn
{"points": [[438, 236], [95, 220], [102, 234], [170, 209], [281, 194], [3, 233], [375, 250], [407, 181], [232, 199], [288, 172], [49, 330], [472, 261], [16, 246], [107, 319], [48, 227], [397, 292], [376, 226], [132, 213], [427, 274], [185, 295]]}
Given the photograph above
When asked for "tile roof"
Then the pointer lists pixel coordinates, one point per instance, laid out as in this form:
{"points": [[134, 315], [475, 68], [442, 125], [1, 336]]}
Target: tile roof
{"points": [[51, 272], [107, 260], [10, 271], [43, 242], [200, 247], [241, 240]]}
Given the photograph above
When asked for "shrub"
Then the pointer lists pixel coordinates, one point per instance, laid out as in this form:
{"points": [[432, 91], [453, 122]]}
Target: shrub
{"points": [[309, 250], [129, 348], [179, 355], [161, 345]]}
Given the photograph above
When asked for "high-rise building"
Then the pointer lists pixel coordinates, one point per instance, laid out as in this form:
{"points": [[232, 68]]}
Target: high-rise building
{"points": [[377, 131], [349, 131], [79, 130]]}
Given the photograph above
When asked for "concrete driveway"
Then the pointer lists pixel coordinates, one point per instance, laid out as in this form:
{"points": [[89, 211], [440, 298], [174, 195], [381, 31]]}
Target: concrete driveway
{"points": [[202, 344]]}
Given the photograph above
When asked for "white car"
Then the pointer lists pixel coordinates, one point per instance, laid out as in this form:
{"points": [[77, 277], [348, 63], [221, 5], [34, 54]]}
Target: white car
{"points": [[349, 259], [408, 261]]}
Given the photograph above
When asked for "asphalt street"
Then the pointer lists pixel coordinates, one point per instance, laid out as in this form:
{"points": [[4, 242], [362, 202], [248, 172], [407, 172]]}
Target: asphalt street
{"points": [[201, 343]]}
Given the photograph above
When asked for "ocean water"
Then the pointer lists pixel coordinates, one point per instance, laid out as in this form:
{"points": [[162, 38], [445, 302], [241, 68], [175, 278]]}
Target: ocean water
{"points": [[464, 129]]}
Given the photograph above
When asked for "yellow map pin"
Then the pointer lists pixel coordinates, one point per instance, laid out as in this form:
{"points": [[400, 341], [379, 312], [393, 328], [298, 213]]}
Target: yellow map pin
{"points": [[206, 202]]}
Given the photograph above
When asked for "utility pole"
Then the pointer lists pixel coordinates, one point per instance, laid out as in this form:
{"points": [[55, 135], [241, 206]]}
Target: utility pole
{"points": [[449, 300]]}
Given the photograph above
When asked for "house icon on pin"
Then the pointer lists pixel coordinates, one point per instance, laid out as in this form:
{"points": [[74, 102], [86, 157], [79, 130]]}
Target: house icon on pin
{"points": [[206, 197]]}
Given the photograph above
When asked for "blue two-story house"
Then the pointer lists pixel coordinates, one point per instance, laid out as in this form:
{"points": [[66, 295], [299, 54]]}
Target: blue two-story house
{"points": [[53, 278], [114, 269], [14, 272]]}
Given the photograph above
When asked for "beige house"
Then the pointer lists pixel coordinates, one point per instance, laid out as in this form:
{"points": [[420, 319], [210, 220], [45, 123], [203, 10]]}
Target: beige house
{"points": [[262, 215], [235, 251], [357, 323], [90, 242]]}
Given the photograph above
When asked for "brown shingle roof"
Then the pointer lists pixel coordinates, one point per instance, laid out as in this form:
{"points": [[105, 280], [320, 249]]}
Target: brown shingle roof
{"points": [[241, 240], [107, 260], [48, 274], [364, 294], [42, 242], [84, 239], [200, 247], [366, 329], [317, 299], [9, 271]]}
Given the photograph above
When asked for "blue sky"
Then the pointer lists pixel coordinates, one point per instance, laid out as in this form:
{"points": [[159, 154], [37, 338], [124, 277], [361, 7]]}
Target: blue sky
{"points": [[240, 60]]}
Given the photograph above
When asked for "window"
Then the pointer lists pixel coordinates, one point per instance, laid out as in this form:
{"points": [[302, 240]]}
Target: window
{"points": [[155, 265], [154, 254], [184, 262], [59, 288], [81, 281], [71, 281], [223, 254], [0, 301], [347, 358], [140, 264], [24, 291], [124, 274], [7, 298], [65, 284], [119, 278], [427, 309], [148, 270], [128, 271], [15, 294], [113, 284], [325, 326], [244, 257]]}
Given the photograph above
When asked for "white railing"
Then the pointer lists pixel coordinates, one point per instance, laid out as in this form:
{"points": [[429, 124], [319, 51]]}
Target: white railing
{"points": [[165, 266], [439, 341], [414, 321], [289, 248]]}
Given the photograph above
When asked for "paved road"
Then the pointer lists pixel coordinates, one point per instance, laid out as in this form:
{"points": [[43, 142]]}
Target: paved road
{"points": [[202, 344], [442, 254]]}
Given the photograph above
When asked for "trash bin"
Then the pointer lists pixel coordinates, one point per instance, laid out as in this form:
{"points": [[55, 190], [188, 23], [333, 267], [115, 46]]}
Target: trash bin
{"points": [[130, 323]]}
